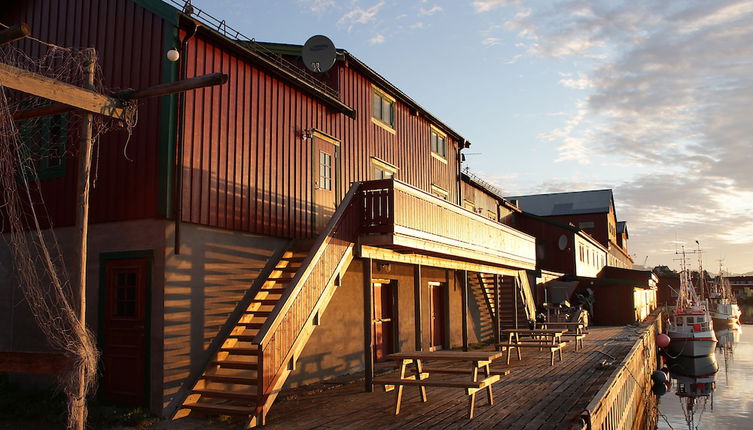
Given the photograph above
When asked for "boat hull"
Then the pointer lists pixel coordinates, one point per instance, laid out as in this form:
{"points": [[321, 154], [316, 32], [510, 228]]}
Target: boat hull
{"points": [[689, 347], [722, 323]]}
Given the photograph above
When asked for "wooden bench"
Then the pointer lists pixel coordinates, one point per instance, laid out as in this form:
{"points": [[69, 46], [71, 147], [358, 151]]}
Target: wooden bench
{"points": [[503, 372], [556, 348], [578, 339]]}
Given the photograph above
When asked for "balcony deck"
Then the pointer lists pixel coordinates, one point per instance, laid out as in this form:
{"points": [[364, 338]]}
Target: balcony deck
{"points": [[400, 217]]}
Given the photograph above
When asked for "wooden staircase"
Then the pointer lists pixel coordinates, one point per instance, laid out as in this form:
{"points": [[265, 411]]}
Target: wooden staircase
{"points": [[482, 287], [247, 372], [229, 384], [515, 303]]}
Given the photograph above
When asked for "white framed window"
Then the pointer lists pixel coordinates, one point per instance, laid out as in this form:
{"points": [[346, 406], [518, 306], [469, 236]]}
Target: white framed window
{"points": [[381, 169], [382, 108], [438, 143]]}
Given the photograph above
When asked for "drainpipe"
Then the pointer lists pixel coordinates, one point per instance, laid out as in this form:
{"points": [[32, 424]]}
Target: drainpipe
{"points": [[178, 189], [462, 144]]}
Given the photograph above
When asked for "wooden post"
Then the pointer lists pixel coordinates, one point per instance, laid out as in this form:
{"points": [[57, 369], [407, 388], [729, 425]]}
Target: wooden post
{"points": [[368, 334], [82, 225], [497, 319], [515, 287], [13, 33], [417, 306], [464, 300]]}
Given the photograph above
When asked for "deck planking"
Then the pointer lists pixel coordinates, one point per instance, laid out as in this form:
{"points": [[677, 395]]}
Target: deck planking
{"points": [[534, 396]]}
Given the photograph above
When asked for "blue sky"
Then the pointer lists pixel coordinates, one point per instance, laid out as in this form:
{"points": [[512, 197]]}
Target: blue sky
{"points": [[652, 99]]}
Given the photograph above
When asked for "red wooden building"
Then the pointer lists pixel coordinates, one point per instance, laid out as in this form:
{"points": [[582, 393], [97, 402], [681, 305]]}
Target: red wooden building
{"points": [[282, 229]]}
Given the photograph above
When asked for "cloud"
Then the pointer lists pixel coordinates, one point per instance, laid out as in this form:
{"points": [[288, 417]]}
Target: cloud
{"points": [[359, 16], [417, 25], [318, 6], [490, 41], [487, 5], [430, 11], [377, 39], [667, 88]]}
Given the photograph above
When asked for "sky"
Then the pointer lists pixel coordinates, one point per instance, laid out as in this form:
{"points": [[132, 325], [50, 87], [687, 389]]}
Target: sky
{"points": [[653, 99]]}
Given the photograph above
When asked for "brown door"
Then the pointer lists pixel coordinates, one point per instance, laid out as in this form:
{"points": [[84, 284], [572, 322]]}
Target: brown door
{"points": [[325, 186], [124, 343], [437, 312], [383, 326]]}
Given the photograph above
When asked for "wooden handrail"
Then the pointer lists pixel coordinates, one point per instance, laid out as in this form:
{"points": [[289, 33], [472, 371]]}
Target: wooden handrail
{"points": [[271, 324], [527, 295]]}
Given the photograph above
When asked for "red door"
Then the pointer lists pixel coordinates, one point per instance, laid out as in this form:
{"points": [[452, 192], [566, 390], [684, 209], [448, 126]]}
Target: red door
{"points": [[437, 312], [383, 340], [124, 343], [325, 172]]}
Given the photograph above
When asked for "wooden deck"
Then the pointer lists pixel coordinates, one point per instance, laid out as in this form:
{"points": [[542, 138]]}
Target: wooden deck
{"points": [[534, 396]]}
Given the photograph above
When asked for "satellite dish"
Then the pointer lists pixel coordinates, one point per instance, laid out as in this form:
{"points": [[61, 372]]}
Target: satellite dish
{"points": [[562, 242], [319, 53]]}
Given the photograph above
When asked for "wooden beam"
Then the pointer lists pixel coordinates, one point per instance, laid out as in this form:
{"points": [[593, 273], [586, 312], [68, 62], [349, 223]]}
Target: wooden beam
{"points": [[51, 89], [39, 363], [155, 91], [464, 304], [365, 251], [194, 83], [417, 307], [13, 33], [497, 319], [368, 334]]}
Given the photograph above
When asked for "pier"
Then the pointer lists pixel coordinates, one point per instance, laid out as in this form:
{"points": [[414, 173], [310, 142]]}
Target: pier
{"points": [[534, 395]]}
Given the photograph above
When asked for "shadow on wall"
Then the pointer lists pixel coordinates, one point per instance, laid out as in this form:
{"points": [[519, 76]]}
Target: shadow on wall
{"points": [[481, 317], [203, 286]]}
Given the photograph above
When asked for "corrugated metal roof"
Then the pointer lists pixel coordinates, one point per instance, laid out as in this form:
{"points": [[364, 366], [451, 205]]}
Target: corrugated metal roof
{"points": [[570, 203]]}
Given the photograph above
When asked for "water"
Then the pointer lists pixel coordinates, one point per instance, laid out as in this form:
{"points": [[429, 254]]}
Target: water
{"points": [[723, 400]]}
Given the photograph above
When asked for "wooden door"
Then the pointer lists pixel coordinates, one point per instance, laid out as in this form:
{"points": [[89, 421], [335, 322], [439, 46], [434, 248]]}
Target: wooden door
{"points": [[124, 343], [437, 315], [383, 320], [325, 183]]}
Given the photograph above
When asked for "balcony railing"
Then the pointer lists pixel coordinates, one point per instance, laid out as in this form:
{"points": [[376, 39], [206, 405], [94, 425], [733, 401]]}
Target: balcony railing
{"points": [[398, 215]]}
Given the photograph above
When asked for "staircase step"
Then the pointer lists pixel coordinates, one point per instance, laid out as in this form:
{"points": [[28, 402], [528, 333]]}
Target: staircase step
{"points": [[250, 325], [280, 280], [235, 364], [240, 350], [220, 409], [259, 313], [230, 379], [288, 269], [243, 337], [278, 290], [298, 258], [267, 302], [224, 394]]}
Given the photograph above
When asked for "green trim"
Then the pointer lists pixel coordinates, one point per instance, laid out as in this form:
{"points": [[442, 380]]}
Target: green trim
{"points": [[104, 258], [168, 129], [161, 9]]}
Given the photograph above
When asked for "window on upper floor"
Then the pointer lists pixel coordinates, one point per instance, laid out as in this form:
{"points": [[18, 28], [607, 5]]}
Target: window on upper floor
{"points": [[381, 169], [586, 224], [382, 108], [438, 143], [43, 145], [440, 192]]}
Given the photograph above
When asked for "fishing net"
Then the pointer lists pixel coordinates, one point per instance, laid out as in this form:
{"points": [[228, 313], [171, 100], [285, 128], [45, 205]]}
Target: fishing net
{"points": [[33, 150]]}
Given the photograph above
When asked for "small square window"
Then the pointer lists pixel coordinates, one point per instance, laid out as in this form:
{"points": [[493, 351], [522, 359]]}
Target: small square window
{"points": [[383, 108], [438, 143]]}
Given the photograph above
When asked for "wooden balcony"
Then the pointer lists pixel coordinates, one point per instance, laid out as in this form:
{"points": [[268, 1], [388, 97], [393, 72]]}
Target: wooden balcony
{"points": [[408, 220]]}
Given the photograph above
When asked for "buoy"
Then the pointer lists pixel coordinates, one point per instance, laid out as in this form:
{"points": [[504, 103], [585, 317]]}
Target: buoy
{"points": [[659, 377], [662, 340]]}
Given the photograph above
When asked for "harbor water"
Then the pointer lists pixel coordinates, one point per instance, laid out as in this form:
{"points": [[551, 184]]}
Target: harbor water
{"points": [[712, 392]]}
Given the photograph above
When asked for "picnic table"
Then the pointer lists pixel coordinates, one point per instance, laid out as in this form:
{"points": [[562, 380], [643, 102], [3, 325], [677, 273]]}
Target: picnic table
{"points": [[550, 339], [575, 329], [475, 360]]}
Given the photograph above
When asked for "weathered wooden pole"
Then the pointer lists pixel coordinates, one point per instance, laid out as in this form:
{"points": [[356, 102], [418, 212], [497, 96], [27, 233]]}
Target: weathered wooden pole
{"points": [[82, 225], [417, 306], [497, 320], [464, 312], [368, 326]]}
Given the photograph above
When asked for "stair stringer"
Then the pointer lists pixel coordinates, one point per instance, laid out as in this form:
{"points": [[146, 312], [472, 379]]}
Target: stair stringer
{"points": [[300, 342], [526, 295]]}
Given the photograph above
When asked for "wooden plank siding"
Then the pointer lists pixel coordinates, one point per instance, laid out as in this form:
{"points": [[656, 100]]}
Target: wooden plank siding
{"points": [[246, 165], [129, 41]]}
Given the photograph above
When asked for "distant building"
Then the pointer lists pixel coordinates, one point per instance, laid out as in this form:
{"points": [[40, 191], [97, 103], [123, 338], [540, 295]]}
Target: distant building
{"points": [[592, 211], [742, 286]]}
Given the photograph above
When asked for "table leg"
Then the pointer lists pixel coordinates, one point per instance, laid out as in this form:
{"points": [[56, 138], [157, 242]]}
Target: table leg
{"points": [[419, 371], [473, 395], [403, 365], [517, 342], [487, 374]]}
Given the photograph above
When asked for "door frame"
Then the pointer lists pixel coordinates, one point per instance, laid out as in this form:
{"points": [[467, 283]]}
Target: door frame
{"points": [[104, 258], [317, 134], [395, 332], [445, 314]]}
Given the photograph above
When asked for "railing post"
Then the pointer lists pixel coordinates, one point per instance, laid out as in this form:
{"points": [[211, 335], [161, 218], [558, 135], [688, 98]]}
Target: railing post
{"points": [[368, 335], [464, 300], [497, 320], [417, 306], [515, 286]]}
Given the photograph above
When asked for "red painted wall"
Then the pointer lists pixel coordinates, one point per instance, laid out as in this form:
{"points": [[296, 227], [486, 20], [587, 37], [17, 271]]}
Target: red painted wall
{"points": [[129, 44], [548, 255], [246, 166]]}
